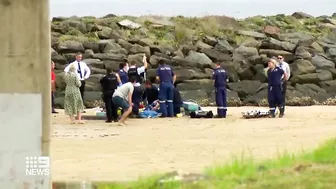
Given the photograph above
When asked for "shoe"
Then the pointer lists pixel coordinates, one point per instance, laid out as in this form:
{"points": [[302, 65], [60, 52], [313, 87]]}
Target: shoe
{"points": [[272, 115], [54, 112], [281, 115], [84, 111], [108, 121]]}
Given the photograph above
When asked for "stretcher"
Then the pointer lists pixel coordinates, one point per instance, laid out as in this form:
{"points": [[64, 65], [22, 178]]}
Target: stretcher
{"points": [[262, 113]]}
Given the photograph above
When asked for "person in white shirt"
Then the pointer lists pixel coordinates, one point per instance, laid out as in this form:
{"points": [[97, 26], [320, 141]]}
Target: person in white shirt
{"points": [[83, 72], [137, 72], [285, 67], [122, 97]]}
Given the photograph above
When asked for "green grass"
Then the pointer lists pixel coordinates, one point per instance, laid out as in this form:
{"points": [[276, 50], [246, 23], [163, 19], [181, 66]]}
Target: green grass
{"points": [[306, 170]]}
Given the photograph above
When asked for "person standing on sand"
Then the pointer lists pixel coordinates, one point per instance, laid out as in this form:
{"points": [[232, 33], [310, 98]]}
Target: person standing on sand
{"points": [[285, 67], [53, 88], [122, 97], [73, 103], [275, 97], [83, 72]]}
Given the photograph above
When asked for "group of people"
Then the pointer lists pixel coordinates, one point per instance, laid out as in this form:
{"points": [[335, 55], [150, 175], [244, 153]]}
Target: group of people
{"points": [[278, 73], [128, 88]]}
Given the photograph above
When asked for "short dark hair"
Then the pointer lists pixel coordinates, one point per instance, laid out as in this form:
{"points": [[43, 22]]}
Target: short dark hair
{"points": [[109, 70], [122, 65], [132, 79], [161, 61], [79, 53], [133, 62]]}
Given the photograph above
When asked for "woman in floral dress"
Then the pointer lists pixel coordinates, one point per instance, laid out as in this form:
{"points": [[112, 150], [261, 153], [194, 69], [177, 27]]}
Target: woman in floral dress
{"points": [[73, 103]]}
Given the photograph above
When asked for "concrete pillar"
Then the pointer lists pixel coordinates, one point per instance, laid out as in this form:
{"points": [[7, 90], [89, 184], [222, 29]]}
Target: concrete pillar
{"points": [[25, 97]]}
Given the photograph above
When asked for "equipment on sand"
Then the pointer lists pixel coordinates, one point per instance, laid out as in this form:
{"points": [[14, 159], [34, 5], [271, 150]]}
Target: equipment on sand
{"points": [[201, 114], [255, 114]]}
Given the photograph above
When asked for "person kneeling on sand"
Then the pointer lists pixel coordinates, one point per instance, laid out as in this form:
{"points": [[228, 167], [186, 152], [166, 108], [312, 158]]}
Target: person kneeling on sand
{"points": [[122, 97]]}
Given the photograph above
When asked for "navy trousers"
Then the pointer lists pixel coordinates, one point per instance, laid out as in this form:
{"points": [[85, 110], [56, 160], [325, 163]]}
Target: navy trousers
{"points": [[220, 95], [275, 99], [136, 99], [166, 97]]}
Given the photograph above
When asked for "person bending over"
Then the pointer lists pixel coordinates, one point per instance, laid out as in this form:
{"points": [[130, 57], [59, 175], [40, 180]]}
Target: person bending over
{"points": [[122, 97]]}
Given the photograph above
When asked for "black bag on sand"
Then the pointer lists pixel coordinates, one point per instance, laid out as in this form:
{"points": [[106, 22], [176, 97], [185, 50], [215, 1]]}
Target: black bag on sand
{"points": [[201, 114]]}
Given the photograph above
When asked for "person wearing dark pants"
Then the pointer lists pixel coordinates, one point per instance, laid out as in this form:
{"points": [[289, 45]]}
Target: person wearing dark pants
{"points": [[285, 67], [53, 88], [167, 78], [275, 97], [136, 99], [177, 102], [83, 72], [136, 72], [109, 84], [151, 93], [220, 78]]}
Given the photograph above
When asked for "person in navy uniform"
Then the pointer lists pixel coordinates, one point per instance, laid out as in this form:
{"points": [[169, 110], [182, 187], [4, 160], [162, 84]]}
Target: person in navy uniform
{"points": [[151, 93], [109, 84], [275, 96], [136, 72], [166, 78], [220, 78], [123, 72]]}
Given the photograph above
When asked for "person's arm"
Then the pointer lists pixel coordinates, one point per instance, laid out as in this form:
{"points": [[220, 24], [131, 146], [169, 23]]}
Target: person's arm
{"points": [[130, 98], [157, 78], [144, 60], [78, 82], [118, 79], [141, 70], [66, 69], [287, 72], [87, 71], [174, 76]]}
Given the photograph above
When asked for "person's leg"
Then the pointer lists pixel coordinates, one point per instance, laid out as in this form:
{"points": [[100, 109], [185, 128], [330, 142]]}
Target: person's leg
{"points": [[163, 99], [82, 91], [271, 101], [224, 101], [53, 103], [177, 109], [284, 90], [72, 119], [280, 101], [136, 99], [114, 111], [127, 110], [108, 102], [79, 115], [170, 100], [219, 102]]}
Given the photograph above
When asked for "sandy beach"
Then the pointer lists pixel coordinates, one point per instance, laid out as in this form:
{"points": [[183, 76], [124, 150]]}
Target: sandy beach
{"points": [[101, 151]]}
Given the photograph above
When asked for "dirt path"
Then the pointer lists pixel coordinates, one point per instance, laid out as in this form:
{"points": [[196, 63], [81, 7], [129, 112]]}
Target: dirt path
{"points": [[95, 151]]}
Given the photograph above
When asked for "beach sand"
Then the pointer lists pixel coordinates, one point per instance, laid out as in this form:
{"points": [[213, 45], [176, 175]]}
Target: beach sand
{"points": [[98, 151]]}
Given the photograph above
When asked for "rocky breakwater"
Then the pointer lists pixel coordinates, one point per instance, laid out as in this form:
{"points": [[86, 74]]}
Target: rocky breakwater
{"points": [[193, 45]]}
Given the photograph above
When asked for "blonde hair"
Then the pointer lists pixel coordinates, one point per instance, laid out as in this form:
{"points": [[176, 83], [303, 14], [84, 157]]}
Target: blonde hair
{"points": [[72, 68]]}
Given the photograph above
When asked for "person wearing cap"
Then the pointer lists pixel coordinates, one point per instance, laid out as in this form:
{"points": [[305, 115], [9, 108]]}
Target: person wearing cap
{"points": [[275, 96], [285, 67]]}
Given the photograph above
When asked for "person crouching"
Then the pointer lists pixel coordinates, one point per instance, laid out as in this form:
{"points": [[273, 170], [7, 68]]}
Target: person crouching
{"points": [[275, 96]]}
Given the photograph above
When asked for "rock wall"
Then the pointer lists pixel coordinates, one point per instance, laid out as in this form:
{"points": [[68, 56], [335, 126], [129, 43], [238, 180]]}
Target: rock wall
{"points": [[193, 45]]}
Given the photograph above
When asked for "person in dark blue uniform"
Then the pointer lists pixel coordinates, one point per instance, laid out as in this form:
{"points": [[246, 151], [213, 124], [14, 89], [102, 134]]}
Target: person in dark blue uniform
{"points": [[109, 84], [123, 72], [177, 101], [136, 72], [167, 78], [220, 78], [151, 93], [275, 96]]}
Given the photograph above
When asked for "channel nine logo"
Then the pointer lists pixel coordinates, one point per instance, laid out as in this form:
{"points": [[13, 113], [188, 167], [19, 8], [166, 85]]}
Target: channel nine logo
{"points": [[38, 166]]}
